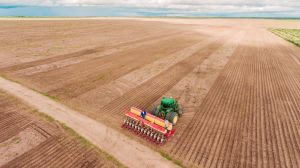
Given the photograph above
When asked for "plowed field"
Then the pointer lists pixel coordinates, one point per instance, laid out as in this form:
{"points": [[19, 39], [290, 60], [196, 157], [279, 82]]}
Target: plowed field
{"points": [[28, 141], [237, 83]]}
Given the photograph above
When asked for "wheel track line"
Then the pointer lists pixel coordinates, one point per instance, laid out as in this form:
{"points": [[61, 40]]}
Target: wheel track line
{"points": [[41, 130]]}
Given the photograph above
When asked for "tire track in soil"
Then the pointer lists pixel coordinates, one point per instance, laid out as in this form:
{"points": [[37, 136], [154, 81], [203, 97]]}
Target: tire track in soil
{"points": [[257, 88], [147, 93], [82, 53]]}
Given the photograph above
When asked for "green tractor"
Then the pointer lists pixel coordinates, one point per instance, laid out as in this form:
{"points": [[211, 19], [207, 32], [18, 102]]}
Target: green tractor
{"points": [[168, 110]]}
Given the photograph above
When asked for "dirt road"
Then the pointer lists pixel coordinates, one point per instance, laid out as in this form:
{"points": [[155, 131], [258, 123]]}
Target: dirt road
{"points": [[121, 147]]}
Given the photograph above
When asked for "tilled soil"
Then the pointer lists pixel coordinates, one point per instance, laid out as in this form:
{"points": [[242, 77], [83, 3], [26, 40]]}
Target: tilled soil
{"points": [[237, 83], [28, 141]]}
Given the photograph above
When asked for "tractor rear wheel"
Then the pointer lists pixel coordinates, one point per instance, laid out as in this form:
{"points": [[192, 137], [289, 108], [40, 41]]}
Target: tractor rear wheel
{"points": [[172, 117]]}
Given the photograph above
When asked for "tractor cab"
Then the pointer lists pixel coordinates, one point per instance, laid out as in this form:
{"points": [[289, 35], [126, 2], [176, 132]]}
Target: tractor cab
{"points": [[167, 102]]}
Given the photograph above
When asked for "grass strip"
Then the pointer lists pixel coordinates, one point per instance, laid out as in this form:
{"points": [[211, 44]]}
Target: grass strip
{"points": [[291, 35]]}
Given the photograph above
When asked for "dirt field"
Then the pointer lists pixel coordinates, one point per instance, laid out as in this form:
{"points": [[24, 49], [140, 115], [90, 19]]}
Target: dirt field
{"points": [[238, 84], [29, 141]]}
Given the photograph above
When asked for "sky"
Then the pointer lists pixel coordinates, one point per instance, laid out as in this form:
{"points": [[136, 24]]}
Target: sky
{"points": [[184, 8]]}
